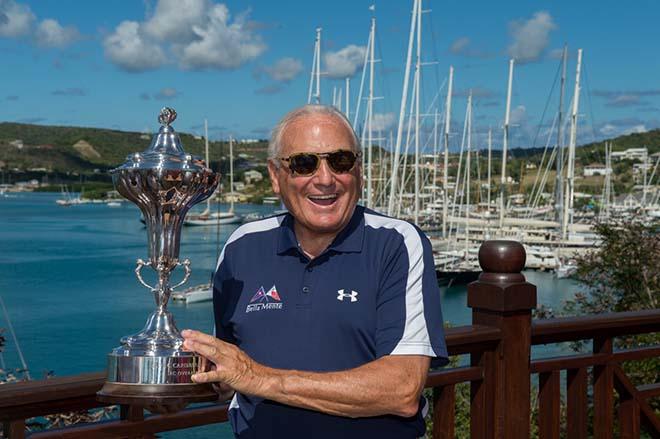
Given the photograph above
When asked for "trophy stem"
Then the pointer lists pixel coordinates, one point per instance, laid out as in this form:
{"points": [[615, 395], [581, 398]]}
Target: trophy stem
{"points": [[163, 291]]}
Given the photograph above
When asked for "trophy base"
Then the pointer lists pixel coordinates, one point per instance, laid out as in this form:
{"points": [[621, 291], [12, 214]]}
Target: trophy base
{"points": [[157, 398], [159, 382]]}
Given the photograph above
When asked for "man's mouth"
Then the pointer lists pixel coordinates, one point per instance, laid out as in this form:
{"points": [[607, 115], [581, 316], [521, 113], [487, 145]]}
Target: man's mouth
{"points": [[323, 200]]}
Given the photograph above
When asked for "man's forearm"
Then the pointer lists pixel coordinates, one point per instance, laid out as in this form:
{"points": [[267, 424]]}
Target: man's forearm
{"points": [[389, 385]]}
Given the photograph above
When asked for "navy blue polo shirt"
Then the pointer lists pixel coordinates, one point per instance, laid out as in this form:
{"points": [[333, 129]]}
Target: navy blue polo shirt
{"points": [[372, 292]]}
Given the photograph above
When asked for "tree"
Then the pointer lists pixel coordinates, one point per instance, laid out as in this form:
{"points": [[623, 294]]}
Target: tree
{"points": [[623, 274]]}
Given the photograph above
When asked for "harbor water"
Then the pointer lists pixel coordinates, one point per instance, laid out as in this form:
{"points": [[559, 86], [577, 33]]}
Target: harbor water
{"points": [[66, 277]]}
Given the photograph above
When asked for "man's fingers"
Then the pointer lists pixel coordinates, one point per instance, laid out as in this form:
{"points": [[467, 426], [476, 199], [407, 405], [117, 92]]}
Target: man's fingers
{"points": [[190, 334], [204, 377], [209, 351]]}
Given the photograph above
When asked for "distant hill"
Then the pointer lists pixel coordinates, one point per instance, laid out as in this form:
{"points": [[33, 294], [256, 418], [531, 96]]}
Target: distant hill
{"points": [[82, 150], [75, 149]]}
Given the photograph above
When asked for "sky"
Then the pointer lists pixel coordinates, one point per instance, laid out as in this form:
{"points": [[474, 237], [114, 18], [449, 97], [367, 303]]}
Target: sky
{"points": [[243, 64]]}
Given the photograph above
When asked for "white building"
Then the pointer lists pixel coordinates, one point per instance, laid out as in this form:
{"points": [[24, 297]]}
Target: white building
{"points": [[252, 176], [639, 168], [596, 169], [631, 154]]}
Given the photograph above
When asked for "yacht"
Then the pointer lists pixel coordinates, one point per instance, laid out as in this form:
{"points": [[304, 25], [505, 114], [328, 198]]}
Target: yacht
{"points": [[198, 293]]}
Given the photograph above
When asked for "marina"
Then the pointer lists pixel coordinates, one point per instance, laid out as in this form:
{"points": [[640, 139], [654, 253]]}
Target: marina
{"points": [[521, 139], [102, 301]]}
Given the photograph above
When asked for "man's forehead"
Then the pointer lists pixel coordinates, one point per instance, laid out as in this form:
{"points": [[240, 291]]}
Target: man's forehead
{"points": [[317, 126]]}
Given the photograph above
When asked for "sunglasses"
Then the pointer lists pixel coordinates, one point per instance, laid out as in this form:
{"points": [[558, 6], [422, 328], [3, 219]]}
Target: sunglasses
{"points": [[307, 163]]}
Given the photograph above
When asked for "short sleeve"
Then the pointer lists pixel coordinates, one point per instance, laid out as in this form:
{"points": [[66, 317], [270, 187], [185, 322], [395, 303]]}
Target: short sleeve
{"points": [[224, 298], [409, 314]]}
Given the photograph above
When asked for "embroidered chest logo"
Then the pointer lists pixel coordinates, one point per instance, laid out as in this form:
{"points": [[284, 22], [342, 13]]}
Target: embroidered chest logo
{"points": [[341, 295], [263, 300]]}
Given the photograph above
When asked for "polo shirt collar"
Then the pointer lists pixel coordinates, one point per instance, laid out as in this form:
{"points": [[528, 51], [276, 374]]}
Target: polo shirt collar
{"points": [[349, 240]]}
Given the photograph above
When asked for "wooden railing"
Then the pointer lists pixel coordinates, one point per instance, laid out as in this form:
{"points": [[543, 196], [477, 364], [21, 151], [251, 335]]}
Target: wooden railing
{"points": [[499, 373]]}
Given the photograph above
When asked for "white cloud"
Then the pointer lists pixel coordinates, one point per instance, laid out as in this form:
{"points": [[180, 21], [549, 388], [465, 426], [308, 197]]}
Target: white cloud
{"points": [[222, 44], [131, 50], [15, 19], [608, 129], [50, 33], [344, 62], [518, 115], [641, 128], [166, 93], [196, 34], [531, 37], [173, 20], [382, 121], [284, 70], [459, 46], [556, 54]]}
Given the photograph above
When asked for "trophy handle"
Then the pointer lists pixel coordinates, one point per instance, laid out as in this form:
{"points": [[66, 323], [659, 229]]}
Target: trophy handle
{"points": [[138, 272], [186, 267]]}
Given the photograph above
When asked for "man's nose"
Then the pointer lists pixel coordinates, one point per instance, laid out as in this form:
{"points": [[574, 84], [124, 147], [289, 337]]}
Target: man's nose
{"points": [[324, 174]]}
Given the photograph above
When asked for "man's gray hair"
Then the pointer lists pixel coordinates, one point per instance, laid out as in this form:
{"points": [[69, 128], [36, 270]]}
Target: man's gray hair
{"points": [[275, 143]]}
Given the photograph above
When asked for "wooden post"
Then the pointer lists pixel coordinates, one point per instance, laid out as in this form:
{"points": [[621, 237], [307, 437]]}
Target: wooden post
{"points": [[603, 392], [14, 429], [444, 406], [502, 298]]}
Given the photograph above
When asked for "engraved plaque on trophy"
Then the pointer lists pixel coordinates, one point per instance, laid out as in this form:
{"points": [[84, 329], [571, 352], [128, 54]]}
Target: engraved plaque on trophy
{"points": [[151, 368]]}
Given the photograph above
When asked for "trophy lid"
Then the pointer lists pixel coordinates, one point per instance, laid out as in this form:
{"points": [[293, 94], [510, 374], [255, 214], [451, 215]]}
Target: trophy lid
{"points": [[165, 150]]}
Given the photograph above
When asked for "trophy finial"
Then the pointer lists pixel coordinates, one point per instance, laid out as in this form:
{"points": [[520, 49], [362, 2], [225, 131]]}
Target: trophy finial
{"points": [[167, 116]]}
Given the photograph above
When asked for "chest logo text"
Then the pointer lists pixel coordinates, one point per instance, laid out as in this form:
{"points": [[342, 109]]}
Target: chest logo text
{"points": [[263, 300]]}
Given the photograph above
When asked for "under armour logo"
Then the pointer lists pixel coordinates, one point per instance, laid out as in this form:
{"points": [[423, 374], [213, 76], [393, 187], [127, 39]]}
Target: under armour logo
{"points": [[353, 295]]}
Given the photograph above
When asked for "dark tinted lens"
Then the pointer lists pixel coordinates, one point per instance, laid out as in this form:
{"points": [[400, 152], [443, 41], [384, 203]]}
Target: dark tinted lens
{"points": [[303, 164], [341, 161]]}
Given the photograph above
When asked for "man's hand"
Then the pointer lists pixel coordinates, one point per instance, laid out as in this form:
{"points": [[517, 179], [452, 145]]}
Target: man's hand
{"points": [[234, 369]]}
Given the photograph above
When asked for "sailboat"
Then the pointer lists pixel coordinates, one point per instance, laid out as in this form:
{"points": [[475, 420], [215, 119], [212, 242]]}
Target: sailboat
{"points": [[208, 218]]}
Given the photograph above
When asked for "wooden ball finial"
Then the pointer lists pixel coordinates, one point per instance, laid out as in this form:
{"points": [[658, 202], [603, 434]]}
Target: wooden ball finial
{"points": [[499, 256]]}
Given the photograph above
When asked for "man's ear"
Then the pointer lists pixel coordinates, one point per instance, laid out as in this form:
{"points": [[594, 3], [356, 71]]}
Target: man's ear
{"points": [[273, 172]]}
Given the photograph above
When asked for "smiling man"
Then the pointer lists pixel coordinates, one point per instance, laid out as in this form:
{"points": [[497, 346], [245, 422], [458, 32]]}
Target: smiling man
{"points": [[327, 317]]}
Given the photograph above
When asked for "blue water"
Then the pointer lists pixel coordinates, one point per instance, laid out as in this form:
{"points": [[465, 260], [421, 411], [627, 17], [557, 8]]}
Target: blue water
{"points": [[66, 277]]}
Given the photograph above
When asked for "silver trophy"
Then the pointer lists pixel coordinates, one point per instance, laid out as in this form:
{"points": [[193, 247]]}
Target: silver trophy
{"points": [[150, 368]]}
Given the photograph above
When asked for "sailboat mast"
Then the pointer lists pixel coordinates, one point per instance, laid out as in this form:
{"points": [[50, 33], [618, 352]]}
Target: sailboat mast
{"points": [[570, 172], [608, 179], [505, 145], [348, 99], [402, 110], [490, 153], [418, 66], [370, 114], [315, 75], [445, 201], [435, 157], [559, 189], [206, 156], [467, 177], [231, 173]]}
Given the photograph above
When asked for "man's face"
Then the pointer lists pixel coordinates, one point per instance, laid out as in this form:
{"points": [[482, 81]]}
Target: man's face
{"points": [[321, 203]]}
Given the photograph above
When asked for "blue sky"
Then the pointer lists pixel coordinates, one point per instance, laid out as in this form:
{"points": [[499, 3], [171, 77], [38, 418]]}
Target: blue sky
{"points": [[243, 64]]}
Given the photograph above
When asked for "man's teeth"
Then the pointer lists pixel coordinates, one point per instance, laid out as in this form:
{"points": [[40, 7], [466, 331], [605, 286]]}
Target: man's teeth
{"points": [[323, 197]]}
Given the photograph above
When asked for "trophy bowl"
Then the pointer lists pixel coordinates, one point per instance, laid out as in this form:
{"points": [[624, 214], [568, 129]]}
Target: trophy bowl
{"points": [[150, 368]]}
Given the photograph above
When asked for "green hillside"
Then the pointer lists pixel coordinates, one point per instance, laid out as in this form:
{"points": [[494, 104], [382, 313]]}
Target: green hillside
{"points": [[52, 148]]}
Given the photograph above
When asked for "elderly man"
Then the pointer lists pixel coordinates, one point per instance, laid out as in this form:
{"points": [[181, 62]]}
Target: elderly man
{"points": [[328, 316]]}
